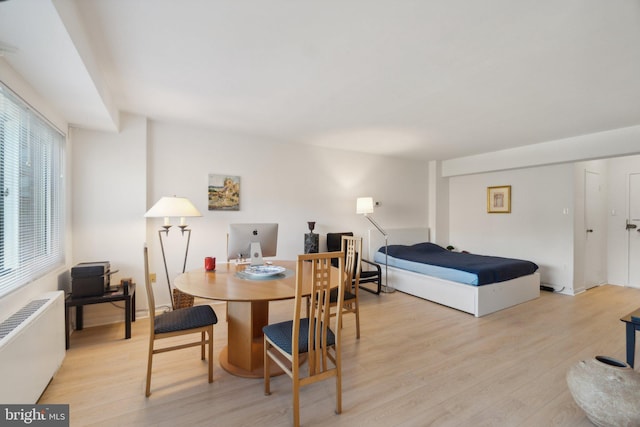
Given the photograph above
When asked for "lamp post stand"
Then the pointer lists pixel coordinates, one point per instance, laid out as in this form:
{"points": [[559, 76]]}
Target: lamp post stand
{"points": [[165, 230], [386, 288]]}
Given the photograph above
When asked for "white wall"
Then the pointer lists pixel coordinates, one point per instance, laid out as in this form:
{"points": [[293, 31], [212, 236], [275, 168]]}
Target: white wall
{"points": [[539, 227], [438, 205], [109, 193], [118, 177], [287, 184]]}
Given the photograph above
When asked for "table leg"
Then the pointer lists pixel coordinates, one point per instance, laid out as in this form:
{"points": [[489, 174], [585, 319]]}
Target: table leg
{"points": [[631, 343], [127, 317], [133, 307], [244, 353], [79, 317]]}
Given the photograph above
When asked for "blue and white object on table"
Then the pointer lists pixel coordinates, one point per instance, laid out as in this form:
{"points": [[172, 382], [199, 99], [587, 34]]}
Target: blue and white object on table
{"points": [[263, 270]]}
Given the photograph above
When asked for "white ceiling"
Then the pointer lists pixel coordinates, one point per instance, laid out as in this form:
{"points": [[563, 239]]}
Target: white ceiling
{"points": [[431, 79]]}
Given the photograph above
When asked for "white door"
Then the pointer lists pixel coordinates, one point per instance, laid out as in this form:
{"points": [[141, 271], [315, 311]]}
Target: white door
{"points": [[594, 231], [633, 227]]}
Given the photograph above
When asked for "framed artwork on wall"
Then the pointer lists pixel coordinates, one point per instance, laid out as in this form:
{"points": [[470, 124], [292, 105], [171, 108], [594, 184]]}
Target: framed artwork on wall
{"points": [[499, 199], [224, 192]]}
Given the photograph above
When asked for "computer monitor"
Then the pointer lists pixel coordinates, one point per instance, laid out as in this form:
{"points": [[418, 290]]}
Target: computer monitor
{"points": [[252, 241]]}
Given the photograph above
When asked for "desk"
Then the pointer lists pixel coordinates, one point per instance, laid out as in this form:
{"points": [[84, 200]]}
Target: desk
{"points": [[631, 328], [247, 309], [109, 296]]}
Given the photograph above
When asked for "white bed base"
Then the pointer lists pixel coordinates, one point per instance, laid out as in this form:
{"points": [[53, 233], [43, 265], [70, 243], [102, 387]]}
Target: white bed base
{"points": [[476, 300]]}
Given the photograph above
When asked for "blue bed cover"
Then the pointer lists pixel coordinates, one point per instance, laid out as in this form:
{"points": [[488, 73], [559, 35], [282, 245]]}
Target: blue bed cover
{"points": [[433, 260]]}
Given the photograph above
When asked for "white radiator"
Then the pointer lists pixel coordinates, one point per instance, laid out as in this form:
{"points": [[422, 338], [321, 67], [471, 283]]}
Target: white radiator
{"points": [[31, 348]]}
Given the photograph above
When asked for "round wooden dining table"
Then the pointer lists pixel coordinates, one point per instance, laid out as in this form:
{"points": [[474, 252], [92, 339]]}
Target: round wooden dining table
{"points": [[247, 308]]}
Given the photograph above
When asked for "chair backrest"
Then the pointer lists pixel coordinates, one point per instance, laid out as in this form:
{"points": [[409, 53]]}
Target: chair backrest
{"points": [[334, 243], [352, 248], [334, 240], [320, 278], [147, 284]]}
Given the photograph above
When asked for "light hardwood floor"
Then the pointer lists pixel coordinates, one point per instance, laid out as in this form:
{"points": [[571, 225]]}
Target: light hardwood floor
{"points": [[416, 364]]}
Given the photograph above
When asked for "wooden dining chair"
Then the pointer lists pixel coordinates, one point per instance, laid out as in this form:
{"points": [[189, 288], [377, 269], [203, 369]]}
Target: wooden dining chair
{"points": [[286, 342], [371, 272], [351, 247], [197, 319]]}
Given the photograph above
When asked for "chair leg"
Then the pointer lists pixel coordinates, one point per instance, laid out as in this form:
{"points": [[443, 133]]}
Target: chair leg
{"points": [[203, 339], [357, 306], [296, 397], [338, 364], [147, 391], [338, 390], [378, 282], [210, 354], [267, 373]]}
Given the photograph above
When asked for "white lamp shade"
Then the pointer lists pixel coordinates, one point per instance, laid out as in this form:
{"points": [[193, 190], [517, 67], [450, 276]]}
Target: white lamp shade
{"points": [[364, 205], [172, 207]]}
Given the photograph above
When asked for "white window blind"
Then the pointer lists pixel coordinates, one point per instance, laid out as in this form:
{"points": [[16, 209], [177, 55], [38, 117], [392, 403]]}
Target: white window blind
{"points": [[31, 194]]}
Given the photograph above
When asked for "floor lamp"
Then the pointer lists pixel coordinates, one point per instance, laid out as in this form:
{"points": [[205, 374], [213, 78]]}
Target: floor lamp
{"points": [[167, 208], [364, 206]]}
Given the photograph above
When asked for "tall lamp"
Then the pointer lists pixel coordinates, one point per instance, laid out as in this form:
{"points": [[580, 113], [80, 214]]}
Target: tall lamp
{"points": [[167, 208], [364, 206]]}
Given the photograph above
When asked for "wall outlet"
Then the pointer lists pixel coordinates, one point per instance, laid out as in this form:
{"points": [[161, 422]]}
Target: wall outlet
{"points": [[152, 277]]}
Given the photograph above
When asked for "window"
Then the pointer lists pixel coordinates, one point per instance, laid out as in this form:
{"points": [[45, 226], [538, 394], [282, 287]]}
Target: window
{"points": [[31, 194]]}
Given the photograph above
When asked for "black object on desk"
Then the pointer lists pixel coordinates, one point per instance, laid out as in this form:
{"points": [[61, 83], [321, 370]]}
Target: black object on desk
{"points": [[632, 321], [125, 292], [90, 279]]}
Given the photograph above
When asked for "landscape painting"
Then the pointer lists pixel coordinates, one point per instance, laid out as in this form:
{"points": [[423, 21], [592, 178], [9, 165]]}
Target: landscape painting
{"points": [[224, 192]]}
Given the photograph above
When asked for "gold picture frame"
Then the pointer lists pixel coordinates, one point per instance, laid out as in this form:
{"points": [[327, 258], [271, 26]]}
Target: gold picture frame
{"points": [[499, 199]]}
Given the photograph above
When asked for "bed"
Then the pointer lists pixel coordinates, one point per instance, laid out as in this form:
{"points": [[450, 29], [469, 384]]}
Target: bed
{"points": [[477, 300]]}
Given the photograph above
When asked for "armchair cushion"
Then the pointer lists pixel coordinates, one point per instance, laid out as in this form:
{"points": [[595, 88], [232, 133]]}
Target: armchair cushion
{"points": [[333, 295]]}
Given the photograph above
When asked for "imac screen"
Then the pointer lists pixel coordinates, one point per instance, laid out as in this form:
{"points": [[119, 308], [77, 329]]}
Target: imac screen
{"points": [[241, 236]]}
